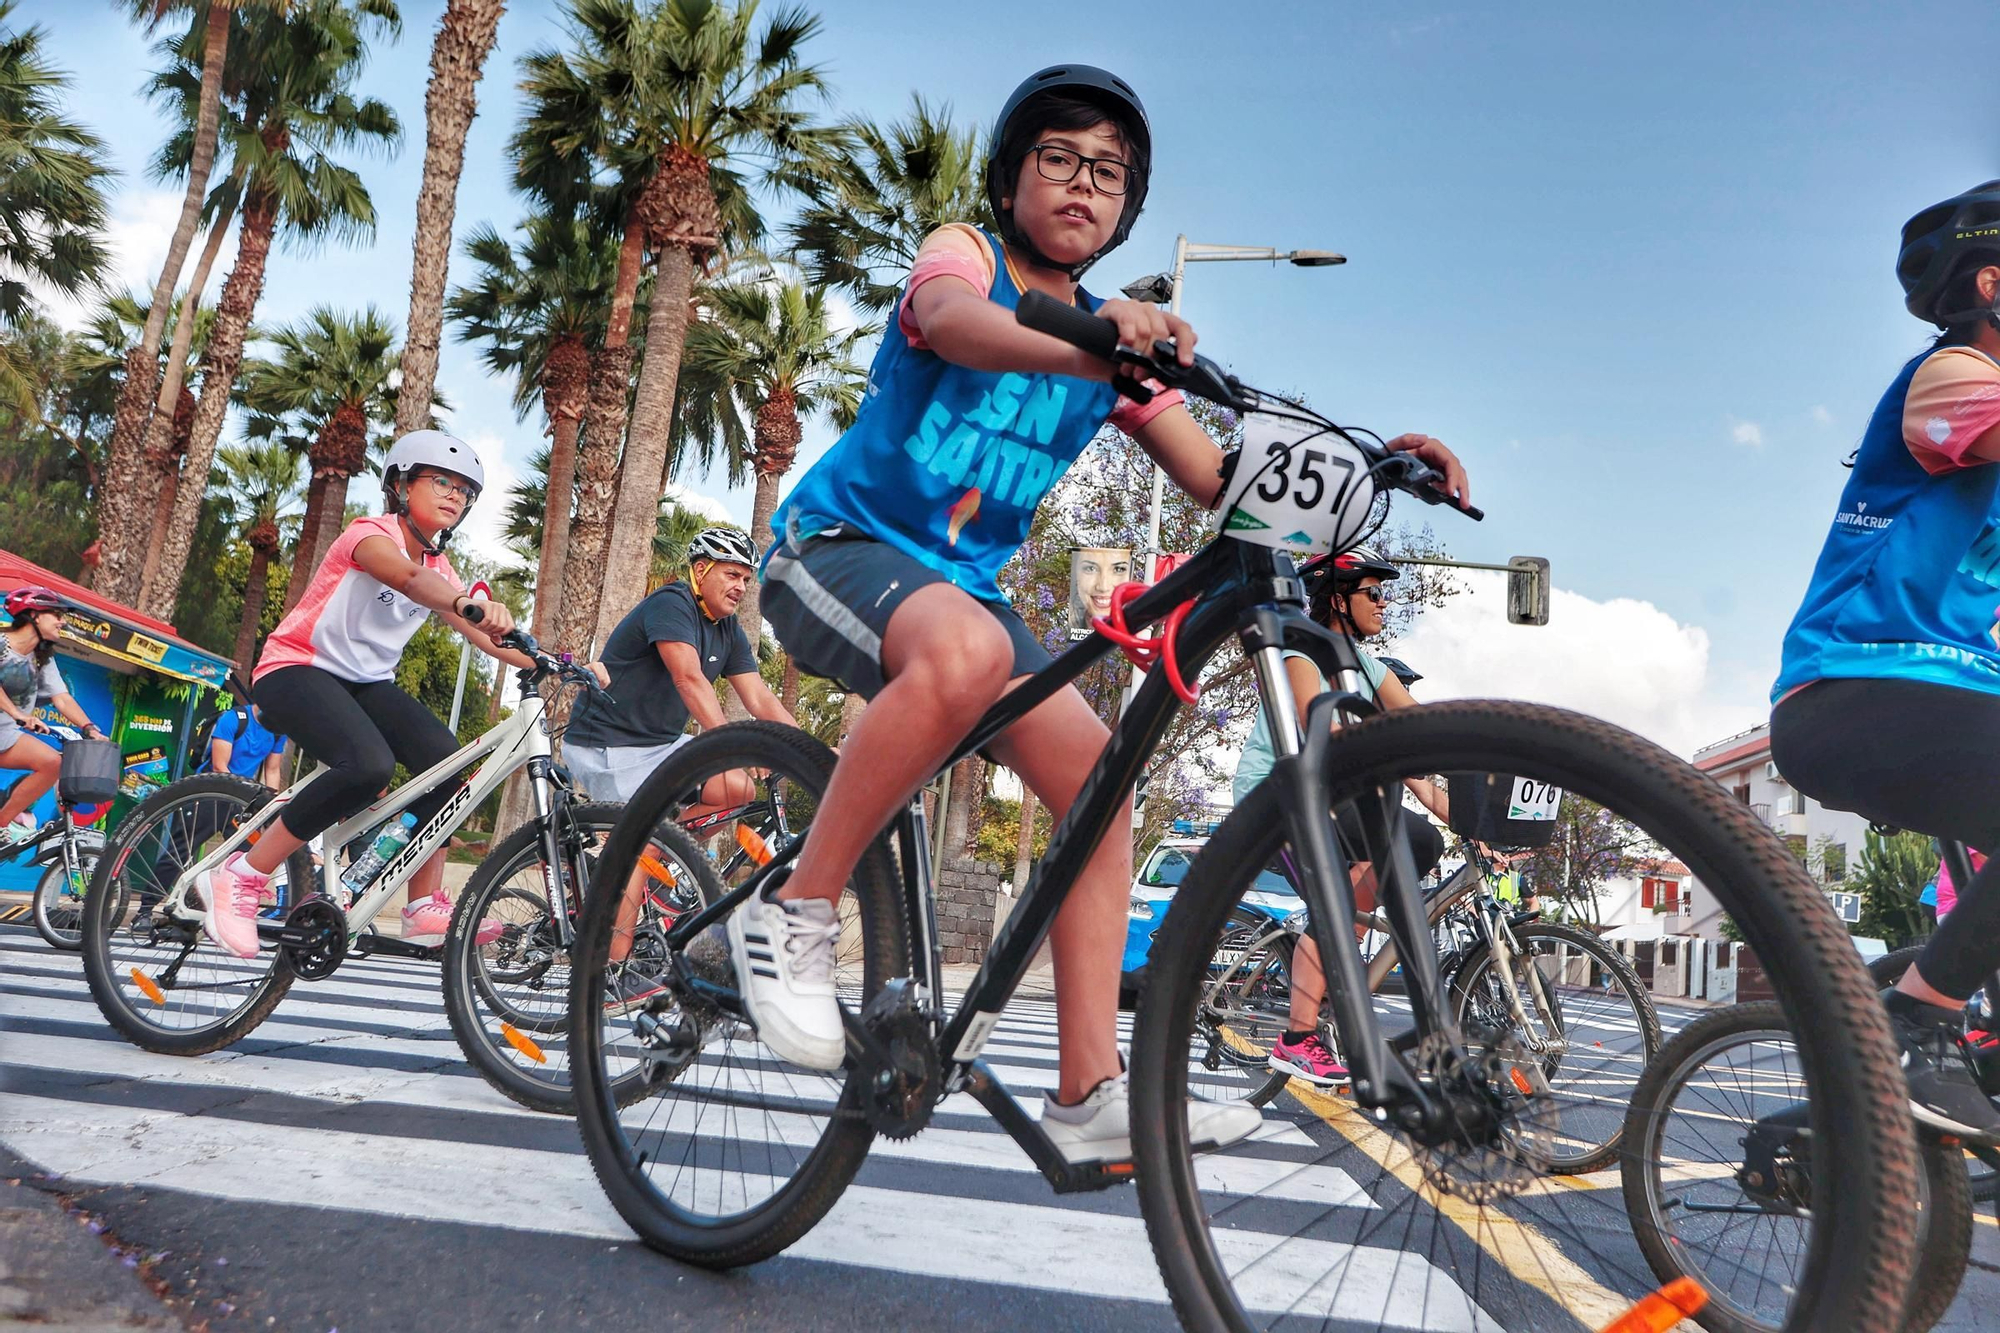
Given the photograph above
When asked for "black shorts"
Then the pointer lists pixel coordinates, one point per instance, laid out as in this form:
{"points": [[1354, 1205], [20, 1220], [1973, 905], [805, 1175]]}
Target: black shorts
{"points": [[830, 599]]}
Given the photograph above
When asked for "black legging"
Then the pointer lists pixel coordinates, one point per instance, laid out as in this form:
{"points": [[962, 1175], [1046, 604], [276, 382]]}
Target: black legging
{"points": [[357, 731], [1917, 756]]}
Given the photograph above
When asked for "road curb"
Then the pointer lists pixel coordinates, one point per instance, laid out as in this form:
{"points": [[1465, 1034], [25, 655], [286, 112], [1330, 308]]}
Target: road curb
{"points": [[61, 1269]]}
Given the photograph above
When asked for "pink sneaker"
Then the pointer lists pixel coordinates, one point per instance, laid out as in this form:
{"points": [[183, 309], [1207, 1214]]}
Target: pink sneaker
{"points": [[1309, 1060], [229, 895], [428, 921]]}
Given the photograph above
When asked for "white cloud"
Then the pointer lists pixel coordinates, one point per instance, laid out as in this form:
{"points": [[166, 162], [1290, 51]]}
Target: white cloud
{"points": [[1821, 415], [1623, 660], [688, 498], [1749, 433], [142, 225]]}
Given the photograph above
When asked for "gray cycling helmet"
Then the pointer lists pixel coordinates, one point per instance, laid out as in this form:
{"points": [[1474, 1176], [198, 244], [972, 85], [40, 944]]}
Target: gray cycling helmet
{"points": [[724, 544], [1015, 124]]}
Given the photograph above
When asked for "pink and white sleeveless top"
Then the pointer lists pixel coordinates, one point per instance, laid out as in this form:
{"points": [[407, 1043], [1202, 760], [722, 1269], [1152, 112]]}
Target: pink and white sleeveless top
{"points": [[349, 623]]}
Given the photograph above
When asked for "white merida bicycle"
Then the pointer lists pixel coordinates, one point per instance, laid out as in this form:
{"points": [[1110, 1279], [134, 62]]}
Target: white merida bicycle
{"points": [[168, 988]]}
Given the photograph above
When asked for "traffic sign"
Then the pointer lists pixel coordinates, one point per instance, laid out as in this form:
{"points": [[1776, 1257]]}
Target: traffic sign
{"points": [[1847, 905]]}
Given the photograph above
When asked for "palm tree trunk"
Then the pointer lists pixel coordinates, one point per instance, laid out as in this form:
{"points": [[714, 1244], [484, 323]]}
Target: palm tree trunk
{"points": [[457, 56], [597, 455], [302, 571], [643, 473], [788, 686], [332, 519], [961, 812], [219, 361], [121, 499], [1024, 846], [253, 608], [565, 411], [749, 613]]}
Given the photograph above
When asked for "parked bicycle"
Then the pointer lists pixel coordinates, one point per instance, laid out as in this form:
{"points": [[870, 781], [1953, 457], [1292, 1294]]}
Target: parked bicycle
{"points": [[1427, 1204], [69, 850], [167, 988]]}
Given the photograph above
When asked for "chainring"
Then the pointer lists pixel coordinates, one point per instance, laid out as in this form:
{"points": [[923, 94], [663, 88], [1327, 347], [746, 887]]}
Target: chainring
{"points": [[897, 1101], [324, 926], [1506, 1147]]}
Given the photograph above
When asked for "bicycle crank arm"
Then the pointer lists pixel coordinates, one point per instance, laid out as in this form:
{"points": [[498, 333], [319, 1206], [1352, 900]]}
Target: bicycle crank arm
{"points": [[1063, 1175]]}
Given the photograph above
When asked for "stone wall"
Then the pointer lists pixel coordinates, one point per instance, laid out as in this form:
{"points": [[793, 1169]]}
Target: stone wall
{"points": [[966, 890]]}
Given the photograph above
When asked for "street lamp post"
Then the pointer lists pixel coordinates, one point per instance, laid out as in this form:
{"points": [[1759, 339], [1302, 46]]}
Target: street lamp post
{"points": [[1165, 289]]}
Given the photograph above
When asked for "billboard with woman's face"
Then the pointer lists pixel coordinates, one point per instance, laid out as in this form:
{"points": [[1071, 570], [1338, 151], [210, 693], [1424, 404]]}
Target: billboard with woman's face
{"points": [[1094, 572]]}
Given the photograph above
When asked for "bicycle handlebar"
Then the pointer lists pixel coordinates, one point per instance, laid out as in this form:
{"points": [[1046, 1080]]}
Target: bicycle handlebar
{"points": [[1205, 379], [549, 665], [474, 613]]}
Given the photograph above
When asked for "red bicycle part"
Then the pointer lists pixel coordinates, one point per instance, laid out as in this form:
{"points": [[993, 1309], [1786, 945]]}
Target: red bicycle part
{"points": [[1146, 653]]}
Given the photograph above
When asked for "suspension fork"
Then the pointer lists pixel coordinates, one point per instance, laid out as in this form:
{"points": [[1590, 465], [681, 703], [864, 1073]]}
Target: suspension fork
{"points": [[548, 825]]}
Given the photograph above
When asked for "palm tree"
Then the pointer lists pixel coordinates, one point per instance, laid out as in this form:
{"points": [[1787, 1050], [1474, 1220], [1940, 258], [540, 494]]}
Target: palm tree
{"points": [[769, 351], [457, 56], [540, 309], [263, 484], [662, 103], [297, 110], [52, 178], [329, 379], [863, 222], [121, 570]]}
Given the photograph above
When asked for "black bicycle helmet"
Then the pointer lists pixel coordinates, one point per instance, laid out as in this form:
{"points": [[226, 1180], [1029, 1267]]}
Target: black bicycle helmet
{"points": [[1401, 670], [1347, 569], [1936, 244], [1009, 149]]}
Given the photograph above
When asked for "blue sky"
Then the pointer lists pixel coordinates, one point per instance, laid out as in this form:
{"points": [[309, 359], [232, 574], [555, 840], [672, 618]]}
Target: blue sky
{"points": [[1634, 263]]}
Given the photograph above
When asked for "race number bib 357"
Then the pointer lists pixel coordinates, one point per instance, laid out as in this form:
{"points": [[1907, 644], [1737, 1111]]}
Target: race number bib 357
{"points": [[1297, 487]]}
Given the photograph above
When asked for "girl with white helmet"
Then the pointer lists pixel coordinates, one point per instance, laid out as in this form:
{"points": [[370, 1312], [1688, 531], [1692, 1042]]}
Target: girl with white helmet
{"points": [[326, 677]]}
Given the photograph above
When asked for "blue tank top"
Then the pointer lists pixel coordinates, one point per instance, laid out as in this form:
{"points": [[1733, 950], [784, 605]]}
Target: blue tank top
{"points": [[1908, 582], [948, 464]]}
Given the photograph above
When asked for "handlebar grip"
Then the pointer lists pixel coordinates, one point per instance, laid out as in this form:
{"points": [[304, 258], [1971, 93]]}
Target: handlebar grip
{"points": [[1079, 328], [473, 612]]}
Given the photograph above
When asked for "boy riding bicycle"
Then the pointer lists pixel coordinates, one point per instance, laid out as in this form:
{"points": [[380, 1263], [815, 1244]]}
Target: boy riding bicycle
{"points": [[883, 573], [326, 678]]}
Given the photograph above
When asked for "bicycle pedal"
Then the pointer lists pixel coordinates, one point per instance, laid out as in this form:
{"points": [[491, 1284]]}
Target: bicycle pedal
{"points": [[1094, 1176]]}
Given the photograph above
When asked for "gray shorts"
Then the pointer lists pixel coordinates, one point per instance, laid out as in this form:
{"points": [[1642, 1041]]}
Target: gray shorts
{"points": [[829, 602], [614, 772]]}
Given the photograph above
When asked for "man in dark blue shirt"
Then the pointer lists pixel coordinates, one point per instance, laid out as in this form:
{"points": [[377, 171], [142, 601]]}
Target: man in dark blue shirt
{"points": [[240, 744]]}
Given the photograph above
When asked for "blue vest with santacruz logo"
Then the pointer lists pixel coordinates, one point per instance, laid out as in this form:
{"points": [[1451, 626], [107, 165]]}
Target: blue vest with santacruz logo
{"points": [[948, 464], [1908, 584]]}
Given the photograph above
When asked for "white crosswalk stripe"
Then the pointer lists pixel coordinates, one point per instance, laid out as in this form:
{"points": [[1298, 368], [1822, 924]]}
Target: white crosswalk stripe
{"points": [[353, 1095]]}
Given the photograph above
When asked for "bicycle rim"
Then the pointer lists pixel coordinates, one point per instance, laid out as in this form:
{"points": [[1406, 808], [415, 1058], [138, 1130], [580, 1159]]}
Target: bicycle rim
{"points": [[1328, 1219], [729, 1154]]}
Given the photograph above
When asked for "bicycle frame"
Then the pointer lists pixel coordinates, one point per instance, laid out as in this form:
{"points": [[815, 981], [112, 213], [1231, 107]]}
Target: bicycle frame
{"points": [[522, 740], [1250, 592]]}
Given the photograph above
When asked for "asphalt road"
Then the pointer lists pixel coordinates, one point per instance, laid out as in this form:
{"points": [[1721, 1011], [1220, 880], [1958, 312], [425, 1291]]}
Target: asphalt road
{"points": [[342, 1169]]}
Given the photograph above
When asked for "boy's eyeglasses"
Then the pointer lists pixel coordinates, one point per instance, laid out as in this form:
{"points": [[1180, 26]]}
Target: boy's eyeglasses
{"points": [[444, 486], [1375, 595], [1107, 174]]}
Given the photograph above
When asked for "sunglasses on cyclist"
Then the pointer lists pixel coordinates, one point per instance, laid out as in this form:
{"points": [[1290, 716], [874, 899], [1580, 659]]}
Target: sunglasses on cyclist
{"points": [[1055, 163], [1375, 595]]}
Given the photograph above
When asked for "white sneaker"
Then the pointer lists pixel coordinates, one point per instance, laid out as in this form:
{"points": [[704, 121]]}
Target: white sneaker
{"points": [[1099, 1128], [783, 953]]}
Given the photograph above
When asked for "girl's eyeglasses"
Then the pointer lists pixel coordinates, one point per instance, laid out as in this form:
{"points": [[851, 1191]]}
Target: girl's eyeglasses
{"points": [[444, 486], [1055, 163], [1375, 595]]}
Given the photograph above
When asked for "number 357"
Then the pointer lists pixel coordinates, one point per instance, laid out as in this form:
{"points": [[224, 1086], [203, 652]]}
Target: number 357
{"points": [[1307, 482]]}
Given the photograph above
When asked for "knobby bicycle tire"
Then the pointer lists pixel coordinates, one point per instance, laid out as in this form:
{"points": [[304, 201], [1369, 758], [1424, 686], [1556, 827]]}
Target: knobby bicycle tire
{"points": [[756, 1233], [1886, 972], [111, 898], [1858, 1265]]}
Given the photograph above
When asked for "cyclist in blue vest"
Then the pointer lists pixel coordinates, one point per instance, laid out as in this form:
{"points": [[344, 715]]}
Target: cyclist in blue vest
{"points": [[882, 576], [1887, 702]]}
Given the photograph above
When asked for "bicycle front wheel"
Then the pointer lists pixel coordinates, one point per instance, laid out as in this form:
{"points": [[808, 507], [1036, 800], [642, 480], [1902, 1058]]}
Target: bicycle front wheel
{"points": [[1583, 1013], [1332, 1217], [59, 899], [732, 1154], [157, 978]]}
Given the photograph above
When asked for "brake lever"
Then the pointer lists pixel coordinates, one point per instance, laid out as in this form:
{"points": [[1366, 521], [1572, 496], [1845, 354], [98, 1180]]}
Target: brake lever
{"points": [[1204, 379]]}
